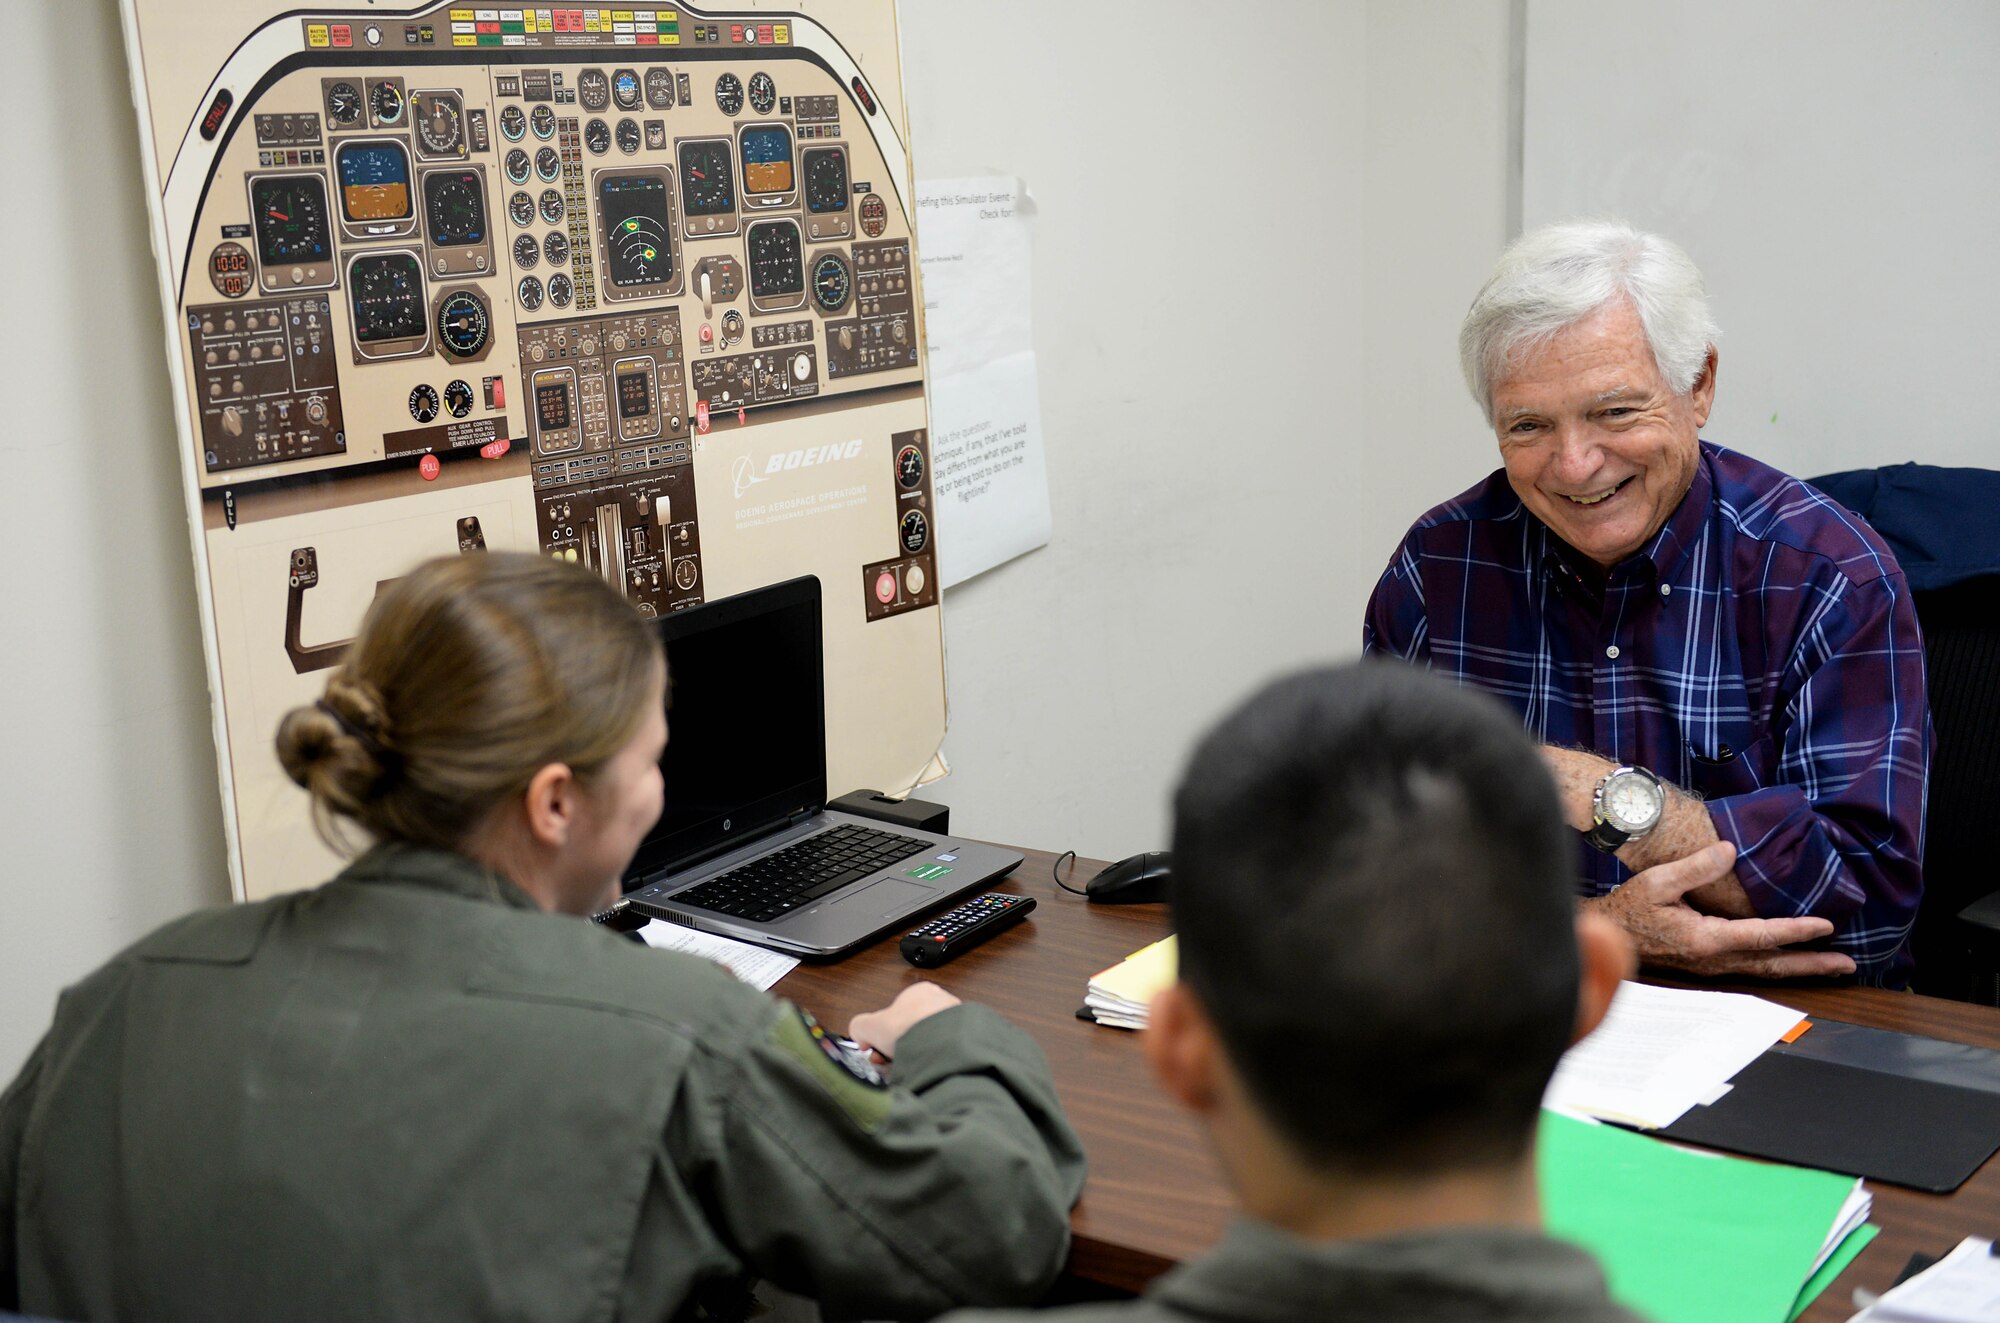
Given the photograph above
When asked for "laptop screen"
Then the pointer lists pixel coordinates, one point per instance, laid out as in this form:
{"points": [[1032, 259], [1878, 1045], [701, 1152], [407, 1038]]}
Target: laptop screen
{"points": [[746, 723]]}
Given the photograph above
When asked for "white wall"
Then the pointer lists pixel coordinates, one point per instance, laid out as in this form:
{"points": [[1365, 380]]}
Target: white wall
{"points": [[1834, 168], [112, 820], [1230, 462]]}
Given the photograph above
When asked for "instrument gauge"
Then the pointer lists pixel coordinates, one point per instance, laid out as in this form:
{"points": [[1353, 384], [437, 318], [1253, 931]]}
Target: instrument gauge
{"points": [[543, 122], [763, 93], [909, 467], [826, 179], [463, 325], [915, 532], [874, 215], [229, 270], [559, 290], [530, 293], [290, 213], [556, 248], [628, 136], [517, 166], [343, 104], [832, 282], [458, 397], [513, 123], [526, 252], [386, 100], [424, 403], [593, 89], [440, 124], [548, 163], [597, 137], [522, 208], [729, 94], [385, 293], [454, 208], [625, 89], [552, 205], [708, 177], [660, 87]]}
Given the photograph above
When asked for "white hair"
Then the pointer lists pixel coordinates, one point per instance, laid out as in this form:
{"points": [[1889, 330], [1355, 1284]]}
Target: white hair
{"points": [[1557, 275]]}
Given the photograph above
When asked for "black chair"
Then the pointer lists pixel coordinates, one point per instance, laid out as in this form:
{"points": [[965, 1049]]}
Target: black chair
{"points": [[1944, 526]]}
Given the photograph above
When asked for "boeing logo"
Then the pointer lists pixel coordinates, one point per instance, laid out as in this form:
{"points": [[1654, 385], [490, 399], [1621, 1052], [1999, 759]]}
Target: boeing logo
{"points": [[746, 476]]}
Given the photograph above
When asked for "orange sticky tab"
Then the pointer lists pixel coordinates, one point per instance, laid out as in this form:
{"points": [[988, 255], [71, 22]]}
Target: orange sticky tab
{"points": [[1796, 1032]]}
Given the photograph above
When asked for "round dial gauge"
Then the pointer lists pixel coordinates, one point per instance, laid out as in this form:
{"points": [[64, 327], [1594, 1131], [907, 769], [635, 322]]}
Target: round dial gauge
{"points": [[463, 324], [458, 397], [386, 100], [559, 290], [543, 121], [597, 137], [909, 467], [291, 219], [708, 177], [556, 247], [625, 89], [424, 403], [832, 282], [826, 180], [343, 104], [628, 136], [552, 205], [915, 532], [513, 123], [517, 166], [684, 573], [385, 293], [526, 252], [454, 210], [440, 124], [660, 87], [229, 270], [763, 93], [522, 208], [548, 163], [729, 94], [530, 292], [593, 89], [874, 215]]}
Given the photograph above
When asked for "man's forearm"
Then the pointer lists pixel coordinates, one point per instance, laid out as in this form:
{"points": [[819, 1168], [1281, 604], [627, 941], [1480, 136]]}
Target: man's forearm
{"points": [[1684, 828]]}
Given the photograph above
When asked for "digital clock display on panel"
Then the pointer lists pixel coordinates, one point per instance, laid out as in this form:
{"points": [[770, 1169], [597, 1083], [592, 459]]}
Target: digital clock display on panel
{"points": [[635, 393], [374, 181], [552, 406], [638, 234], [767, 160]]}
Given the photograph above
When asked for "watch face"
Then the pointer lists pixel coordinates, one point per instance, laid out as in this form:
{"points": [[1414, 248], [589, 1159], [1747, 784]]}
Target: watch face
{"points": [[1631, 801]]}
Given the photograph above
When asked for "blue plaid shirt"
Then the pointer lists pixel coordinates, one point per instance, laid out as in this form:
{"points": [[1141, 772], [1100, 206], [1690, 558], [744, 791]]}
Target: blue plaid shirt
{"points": [[1762, 651]]}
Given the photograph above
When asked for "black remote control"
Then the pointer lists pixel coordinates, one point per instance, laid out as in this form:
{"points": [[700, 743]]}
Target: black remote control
{"points": [[959, 930]]}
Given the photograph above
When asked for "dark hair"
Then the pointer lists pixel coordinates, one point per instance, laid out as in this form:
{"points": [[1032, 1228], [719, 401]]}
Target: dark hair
{"points": [[469, 675], [1370, 882]]}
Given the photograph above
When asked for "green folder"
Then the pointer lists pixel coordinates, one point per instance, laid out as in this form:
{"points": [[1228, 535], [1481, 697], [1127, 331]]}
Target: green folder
{"points": [[1686, 1236]]}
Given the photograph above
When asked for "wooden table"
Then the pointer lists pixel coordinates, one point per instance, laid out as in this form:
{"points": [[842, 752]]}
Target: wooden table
{"points": [[1155, 1195]]}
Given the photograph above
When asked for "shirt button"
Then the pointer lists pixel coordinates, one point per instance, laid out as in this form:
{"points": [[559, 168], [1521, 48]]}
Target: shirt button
{"points": [[1666, 590], [1612, 652]]}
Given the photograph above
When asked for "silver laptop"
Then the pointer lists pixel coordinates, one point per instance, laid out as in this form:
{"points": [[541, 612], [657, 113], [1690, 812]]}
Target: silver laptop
{"points": [[746, 846]]}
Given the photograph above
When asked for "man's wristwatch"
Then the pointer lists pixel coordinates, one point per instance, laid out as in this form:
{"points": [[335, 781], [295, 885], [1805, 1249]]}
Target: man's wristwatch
{"points": [[1627, 804]]}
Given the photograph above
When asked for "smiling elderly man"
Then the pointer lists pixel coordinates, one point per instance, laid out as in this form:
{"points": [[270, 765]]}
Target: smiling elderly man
{"points": [[1722, 664]]}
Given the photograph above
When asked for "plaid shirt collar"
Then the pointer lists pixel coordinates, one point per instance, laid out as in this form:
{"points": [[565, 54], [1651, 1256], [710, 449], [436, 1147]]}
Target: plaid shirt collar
{"points": [[1660, 559]]}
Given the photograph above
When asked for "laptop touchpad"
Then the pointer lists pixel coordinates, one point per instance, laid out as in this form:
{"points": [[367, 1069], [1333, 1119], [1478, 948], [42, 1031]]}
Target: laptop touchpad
{"points": [[888, 896]]}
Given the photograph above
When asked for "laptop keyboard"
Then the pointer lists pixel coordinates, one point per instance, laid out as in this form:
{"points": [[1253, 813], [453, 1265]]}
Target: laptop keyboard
{"points": [[780, 882]]}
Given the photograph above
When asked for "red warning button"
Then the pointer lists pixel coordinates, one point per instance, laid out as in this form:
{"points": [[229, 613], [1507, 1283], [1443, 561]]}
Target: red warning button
{"points": [[885, 587], [429, 467], [495, 449]]}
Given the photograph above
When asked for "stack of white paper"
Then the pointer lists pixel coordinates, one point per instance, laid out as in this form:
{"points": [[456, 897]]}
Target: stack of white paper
{"points": [[753, 964], [1962, 1287], [1852, 1214], [1660, 1051]]}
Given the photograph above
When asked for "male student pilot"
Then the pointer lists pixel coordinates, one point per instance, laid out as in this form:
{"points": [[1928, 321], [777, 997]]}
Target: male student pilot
{"points": [[1721, 664]]}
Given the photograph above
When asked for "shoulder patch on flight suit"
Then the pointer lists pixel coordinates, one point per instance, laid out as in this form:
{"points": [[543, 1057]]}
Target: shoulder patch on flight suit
{"points": [[854, 1084]]}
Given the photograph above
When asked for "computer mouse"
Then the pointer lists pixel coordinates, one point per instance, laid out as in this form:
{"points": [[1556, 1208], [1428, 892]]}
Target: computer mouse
{"points": [[1143, 877]]}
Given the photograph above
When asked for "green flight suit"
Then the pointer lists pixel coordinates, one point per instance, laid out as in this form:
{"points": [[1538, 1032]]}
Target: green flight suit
{"points": [[411, 1094]]}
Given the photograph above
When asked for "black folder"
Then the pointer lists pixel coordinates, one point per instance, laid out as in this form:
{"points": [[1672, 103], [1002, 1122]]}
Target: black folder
{"points": [[1873, 1103]]}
